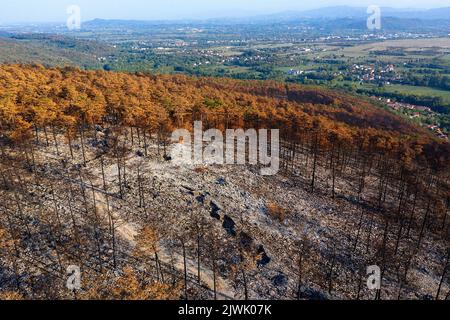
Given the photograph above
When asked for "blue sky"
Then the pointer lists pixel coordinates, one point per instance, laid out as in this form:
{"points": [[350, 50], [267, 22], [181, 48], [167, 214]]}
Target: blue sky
{"points": [[55, 10]]}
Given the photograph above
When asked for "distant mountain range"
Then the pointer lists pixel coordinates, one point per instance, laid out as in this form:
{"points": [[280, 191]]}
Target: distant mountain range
{"points": [[346, 14], [329, 13], [340, 12]]}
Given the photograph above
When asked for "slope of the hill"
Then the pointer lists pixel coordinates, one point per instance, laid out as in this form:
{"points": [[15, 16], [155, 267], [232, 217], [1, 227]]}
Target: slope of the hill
{"points": [[87, 178], [35, 96], [68, 89]]}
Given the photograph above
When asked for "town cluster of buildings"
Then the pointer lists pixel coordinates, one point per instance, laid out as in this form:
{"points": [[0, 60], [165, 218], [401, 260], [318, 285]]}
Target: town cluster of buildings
{"points": [[400, 105], [385, 73], [416, 112], [438, 131]]}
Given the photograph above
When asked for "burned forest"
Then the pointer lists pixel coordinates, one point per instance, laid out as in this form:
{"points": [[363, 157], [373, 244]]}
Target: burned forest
{"points": [[88, 180]]}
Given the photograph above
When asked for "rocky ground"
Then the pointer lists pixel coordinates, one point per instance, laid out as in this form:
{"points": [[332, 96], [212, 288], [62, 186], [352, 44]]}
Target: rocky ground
{"points": [[267, 217]]}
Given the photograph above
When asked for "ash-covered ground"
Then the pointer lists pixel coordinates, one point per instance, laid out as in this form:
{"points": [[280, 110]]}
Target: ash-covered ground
{"points": [[227, 226]]}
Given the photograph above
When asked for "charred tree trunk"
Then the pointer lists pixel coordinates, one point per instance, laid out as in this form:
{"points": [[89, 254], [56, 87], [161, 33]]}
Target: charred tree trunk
{"points": [[444, 274]]}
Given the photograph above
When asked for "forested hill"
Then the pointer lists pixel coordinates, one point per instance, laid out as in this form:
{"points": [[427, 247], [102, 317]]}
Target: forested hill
{"points": [[68, 98]]}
